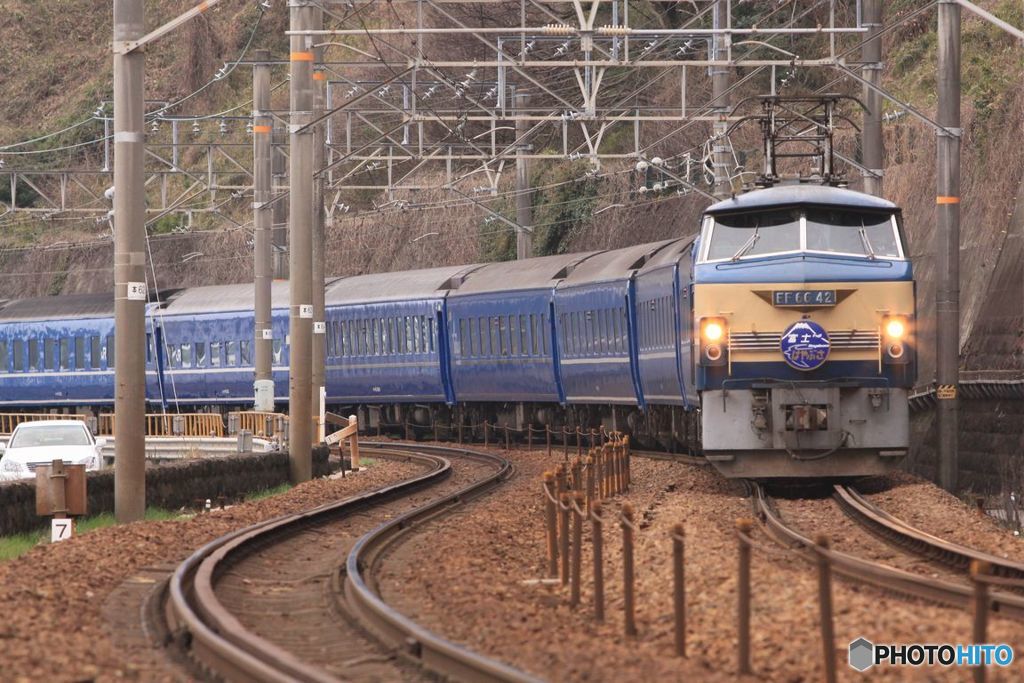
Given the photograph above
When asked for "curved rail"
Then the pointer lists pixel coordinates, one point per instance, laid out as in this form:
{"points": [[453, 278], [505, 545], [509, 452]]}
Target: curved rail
{"points": [[696, 460], [214, 636], [898, 532], [429, 650], [875, 573]]}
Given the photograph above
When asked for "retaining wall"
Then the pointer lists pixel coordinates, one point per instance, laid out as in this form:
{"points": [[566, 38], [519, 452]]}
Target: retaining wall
{"points": [[991, 446], [170, 486]]}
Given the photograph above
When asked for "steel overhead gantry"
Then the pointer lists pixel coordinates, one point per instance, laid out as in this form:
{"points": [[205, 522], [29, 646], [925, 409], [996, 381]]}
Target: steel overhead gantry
{"points": [[80, 191], [448, 115]]}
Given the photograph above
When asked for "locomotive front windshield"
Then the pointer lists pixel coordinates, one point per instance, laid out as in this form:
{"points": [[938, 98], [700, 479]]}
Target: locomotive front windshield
{"points": [[739, 236]]}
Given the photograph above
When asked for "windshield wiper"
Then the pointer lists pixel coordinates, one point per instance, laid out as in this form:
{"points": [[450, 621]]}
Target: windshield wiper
{"points": [[866, 242], [747, 246]]}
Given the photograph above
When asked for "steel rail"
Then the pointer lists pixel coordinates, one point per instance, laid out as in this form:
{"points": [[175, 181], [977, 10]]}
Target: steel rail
{"points": [[876, 573], [894, 530], [696, 460], [429, 650], [215, 637]]}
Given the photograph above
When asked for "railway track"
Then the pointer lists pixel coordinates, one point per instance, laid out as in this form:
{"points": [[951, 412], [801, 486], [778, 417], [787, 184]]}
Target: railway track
{"points": [[696, 460], [294, 598], [875, 573], [901, 534]]}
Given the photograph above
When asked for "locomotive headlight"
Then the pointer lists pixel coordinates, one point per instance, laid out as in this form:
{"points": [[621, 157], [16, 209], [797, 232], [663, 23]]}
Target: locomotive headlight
{"points": [[713, 329], [713, 334], [895, 333], [895, 328]]}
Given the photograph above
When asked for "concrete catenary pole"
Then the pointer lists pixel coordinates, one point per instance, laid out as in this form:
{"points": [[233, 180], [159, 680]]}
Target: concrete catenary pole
{"points": [[871, 133], [318, 268], [129, 266], [524, 195], [279, 166], [947, 208], [719, 94], [263, 218], [300, 230]]}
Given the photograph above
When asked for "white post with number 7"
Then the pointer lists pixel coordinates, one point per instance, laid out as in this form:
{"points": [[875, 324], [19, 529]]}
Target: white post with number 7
{"points": [[61, 492], [61, 529]]}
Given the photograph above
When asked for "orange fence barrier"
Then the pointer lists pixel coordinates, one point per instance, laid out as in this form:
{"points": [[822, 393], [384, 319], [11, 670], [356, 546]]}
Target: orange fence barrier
{"points": [[261, 424], [172, 424]]}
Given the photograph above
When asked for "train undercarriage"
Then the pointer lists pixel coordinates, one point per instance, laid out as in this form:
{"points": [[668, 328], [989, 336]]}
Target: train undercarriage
{"points": [[664, 428]]}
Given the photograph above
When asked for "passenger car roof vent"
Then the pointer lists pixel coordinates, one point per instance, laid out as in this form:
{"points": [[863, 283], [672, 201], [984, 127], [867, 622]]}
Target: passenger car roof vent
{"points": [[457, 280]]}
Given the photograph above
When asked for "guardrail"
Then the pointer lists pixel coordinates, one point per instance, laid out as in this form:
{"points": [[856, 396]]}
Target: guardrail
{"points": [[166, 448]]}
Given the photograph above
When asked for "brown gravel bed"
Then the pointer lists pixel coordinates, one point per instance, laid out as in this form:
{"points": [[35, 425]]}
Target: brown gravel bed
{"points": [[925, 506], [52, 627], [472, 577], [813, 516]]}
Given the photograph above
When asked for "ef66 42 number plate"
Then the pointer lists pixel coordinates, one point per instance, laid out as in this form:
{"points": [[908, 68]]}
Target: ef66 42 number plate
{"points": [[806, 297]]}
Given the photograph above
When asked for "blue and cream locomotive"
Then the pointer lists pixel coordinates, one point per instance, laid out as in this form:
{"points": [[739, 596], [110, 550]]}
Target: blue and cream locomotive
{"points": [[803, 299]]}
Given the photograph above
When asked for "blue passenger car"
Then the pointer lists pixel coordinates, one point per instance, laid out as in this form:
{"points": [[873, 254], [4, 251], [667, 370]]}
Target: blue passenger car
{"points": [[594, 321], [664, 326], [386, 337], [57, 352], [502, 331], [203, 343]]}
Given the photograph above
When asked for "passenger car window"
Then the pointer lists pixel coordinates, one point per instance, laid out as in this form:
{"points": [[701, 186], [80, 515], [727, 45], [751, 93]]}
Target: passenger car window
{"points": [[485, 336], [33, 354], [245, 351], [200, 354], [215, 359], [3, 356], [231, 351], [524, 338], [110, 351], [94, 352], [50, 354], [19, 356], [79, 353]]}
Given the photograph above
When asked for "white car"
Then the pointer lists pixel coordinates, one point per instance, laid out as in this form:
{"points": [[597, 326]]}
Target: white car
{"points": [[33, 444]]}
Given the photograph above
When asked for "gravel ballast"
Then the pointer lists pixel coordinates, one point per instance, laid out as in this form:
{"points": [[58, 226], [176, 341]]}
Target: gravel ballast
{"points": [[475, 580], [52, 627], [476, 577]]}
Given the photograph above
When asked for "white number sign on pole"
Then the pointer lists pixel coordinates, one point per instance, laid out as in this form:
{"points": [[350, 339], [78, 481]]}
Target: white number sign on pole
{"points": [[60, 529], [136, 291]]}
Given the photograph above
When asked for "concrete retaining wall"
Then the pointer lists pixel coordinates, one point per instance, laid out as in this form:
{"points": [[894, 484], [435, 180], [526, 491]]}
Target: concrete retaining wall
{"points": [[991, 446], [170, 486]]}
